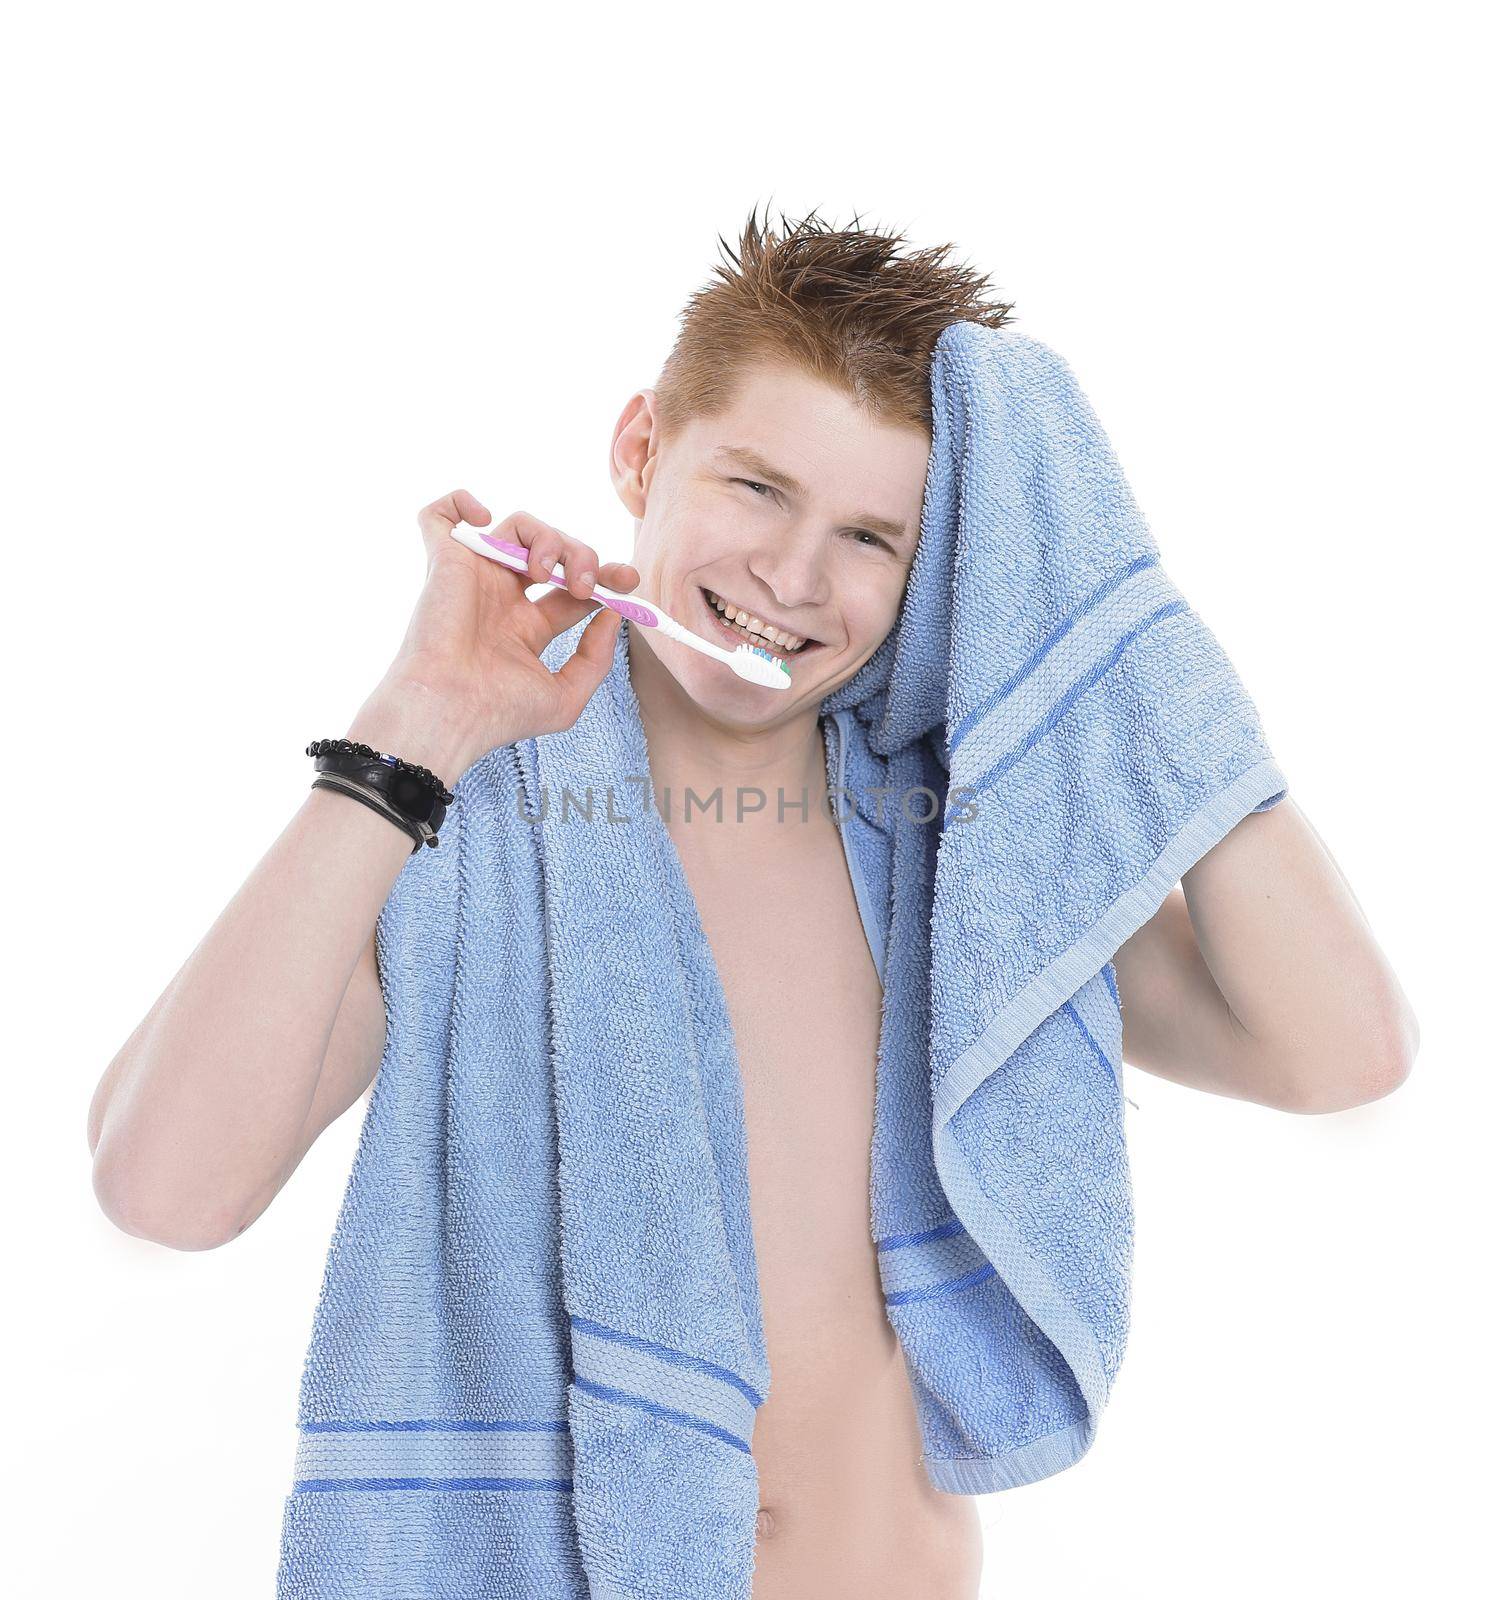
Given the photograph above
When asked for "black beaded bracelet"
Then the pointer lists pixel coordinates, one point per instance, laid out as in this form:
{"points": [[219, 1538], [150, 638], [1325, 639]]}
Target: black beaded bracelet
{"points": [[352, 747]]}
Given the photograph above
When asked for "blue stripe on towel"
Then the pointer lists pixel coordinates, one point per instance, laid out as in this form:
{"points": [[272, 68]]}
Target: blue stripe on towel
{"points": [[619, 1397], [461, 1454], [324, 1485], [1094, 1011], [944, 1231], [668, 1383], [1094, 598], [923, 1266], [467, 1425], [1108, 972], [1008, 725], [598, 1330], [968, 1280]]}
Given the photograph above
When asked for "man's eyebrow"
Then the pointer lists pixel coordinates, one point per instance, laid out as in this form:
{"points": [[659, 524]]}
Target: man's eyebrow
{"points": [[752, 461]]}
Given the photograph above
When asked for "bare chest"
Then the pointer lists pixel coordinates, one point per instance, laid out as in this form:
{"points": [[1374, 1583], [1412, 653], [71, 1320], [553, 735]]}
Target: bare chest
{"points": [[837, 1443], [805, 1003]]}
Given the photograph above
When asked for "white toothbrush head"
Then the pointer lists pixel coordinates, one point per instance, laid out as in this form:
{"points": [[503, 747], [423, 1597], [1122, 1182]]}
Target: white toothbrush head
{"points": [[757, 665]]}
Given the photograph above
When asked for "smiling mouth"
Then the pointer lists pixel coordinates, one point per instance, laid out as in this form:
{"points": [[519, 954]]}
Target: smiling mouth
{"points": [[746, 635]]}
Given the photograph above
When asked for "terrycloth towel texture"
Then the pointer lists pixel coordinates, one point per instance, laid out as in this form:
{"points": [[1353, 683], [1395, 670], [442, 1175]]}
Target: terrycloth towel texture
{"points": [[538, 1352]]}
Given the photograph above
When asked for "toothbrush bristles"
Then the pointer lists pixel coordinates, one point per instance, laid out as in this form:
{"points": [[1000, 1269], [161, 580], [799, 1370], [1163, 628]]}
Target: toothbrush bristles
{"points": [[760, 650]]}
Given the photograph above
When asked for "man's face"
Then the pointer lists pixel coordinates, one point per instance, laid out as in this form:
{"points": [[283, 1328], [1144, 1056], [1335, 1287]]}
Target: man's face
{"points": [[784, 507]]}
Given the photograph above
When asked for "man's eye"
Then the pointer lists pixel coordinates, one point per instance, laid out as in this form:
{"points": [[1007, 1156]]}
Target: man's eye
{"points": [[872, 538], [749, 485]]}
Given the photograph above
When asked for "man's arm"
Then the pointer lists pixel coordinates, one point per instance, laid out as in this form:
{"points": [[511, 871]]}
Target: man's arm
{"points": [[1260, 978], [275, 1023]]}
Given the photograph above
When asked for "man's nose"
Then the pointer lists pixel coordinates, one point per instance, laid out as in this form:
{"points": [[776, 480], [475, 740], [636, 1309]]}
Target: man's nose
{"points": [[793, 572]]}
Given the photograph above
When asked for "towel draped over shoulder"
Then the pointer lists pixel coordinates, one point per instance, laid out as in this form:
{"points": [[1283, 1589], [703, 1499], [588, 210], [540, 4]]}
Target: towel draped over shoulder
{"points": [[538, 1352]]}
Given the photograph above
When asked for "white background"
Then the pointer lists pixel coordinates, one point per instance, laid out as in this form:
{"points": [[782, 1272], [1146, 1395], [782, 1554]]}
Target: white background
{"points": [[279, 275]]}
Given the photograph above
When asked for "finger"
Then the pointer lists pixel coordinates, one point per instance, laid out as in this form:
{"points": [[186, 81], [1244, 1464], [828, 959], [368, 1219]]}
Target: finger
{"points": [[541, 540], [529, 532], [548, 546], [585, 669], [469, 508], [580, 568], [439, 516], [619, 575], [459, 505]]}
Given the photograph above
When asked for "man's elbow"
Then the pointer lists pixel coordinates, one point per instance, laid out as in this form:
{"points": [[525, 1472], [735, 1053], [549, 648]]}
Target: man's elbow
{"points": [[175, 1227], [1374, 1068]]}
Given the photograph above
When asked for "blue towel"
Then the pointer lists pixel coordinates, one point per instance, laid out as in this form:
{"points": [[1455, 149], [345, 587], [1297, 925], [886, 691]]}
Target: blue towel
{"points": [[538, 1354]]}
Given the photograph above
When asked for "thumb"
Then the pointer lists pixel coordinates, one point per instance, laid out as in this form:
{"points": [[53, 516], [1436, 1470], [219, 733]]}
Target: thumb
{"points": [[592, 658]]}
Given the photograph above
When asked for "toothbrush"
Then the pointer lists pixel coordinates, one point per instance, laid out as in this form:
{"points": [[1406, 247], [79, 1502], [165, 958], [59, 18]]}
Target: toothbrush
{"points": [[751, 662]]}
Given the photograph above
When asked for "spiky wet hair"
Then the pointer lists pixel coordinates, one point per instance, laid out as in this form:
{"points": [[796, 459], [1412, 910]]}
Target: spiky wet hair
{"points": [[846, 305]]}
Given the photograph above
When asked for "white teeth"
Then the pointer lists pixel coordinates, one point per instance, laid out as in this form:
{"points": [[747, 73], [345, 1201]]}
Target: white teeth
{"points": [[768, 632]]}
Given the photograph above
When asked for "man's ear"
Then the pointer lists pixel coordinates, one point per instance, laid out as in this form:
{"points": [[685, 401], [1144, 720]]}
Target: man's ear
{"points": [[633, 451]]}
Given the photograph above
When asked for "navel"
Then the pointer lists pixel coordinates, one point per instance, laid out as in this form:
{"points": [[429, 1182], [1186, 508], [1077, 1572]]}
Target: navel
{"points": [[764, 1523]]}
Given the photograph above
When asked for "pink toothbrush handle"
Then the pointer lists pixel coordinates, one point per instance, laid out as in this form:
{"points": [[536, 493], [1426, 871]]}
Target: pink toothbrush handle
{"points": [[515, 556]]}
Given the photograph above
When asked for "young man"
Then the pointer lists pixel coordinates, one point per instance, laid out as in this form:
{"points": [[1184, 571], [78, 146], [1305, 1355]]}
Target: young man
{"points": [[776, 476]]}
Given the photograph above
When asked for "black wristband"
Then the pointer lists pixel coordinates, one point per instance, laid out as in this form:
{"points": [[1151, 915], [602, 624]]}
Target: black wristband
{"points": [[353, 747], [349, 786]]}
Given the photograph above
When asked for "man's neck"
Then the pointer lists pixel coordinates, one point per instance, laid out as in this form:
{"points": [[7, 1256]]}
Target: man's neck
{"points": [[690, 750]]}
